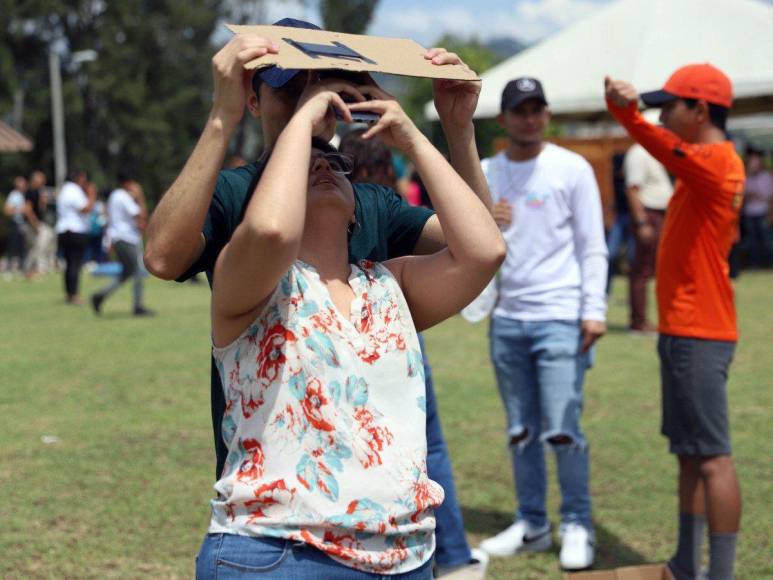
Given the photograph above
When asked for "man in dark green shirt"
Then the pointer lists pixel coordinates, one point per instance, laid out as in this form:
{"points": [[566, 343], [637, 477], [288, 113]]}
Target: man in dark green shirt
{"points": [[390, 227], [197, 215]]}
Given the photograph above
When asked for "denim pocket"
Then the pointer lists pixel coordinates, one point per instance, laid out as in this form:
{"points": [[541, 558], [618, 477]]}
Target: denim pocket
{"points": [[251, 555]]}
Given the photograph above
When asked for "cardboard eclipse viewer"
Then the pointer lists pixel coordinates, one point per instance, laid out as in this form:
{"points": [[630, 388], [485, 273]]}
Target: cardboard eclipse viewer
{"points": [[302, 48]]}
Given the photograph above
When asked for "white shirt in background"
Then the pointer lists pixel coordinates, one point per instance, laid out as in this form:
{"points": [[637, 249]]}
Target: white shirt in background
{"points": [[761, 184], [556, 265], [16, 201], [122, 212], [642, 170], [69, 209]]}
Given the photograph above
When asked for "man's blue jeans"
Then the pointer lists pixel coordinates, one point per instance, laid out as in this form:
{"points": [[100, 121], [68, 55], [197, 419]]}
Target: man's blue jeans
{"points": [[451, 548], [540, 371]]}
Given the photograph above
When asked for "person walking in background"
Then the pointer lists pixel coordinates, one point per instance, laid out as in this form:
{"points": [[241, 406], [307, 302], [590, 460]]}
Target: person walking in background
{"points": [[756, 209], [15, 209], [72, 208], [550, 311], [126, 217], [95, 253], [697, 320], [649, 190], [42, 233]]}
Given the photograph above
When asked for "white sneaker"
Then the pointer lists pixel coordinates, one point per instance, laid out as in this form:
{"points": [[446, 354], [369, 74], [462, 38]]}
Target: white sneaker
{"points": [[577, 551], [520, 537], [475, 569]]}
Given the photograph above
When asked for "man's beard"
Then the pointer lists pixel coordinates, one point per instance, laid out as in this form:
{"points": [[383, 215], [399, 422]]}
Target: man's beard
{"points": [[527, 142]]}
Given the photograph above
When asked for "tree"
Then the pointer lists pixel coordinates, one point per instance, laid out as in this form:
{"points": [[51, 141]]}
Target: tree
{"points": [[352, 16], [419, 91], [139, 107]]}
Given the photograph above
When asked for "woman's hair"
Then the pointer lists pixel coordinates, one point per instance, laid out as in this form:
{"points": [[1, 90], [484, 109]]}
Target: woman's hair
{"points": [[372, 159], [322, 145]]}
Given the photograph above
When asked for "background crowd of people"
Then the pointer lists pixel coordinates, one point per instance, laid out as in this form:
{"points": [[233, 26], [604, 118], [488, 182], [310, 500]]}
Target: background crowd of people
{"points": [[50, 230]]}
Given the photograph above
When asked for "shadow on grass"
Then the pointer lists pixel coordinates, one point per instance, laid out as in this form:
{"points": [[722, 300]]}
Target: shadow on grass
{"points": [[617, 328], [116, 315], [611, 550]]}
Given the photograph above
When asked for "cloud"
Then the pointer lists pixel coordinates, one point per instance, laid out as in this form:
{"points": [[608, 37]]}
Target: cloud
{"points": [[528, 20], [422, 23], [539, 18]]}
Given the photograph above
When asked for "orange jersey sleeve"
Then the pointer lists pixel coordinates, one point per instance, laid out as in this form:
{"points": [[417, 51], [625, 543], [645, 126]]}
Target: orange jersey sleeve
{"points": [[690, 162]]}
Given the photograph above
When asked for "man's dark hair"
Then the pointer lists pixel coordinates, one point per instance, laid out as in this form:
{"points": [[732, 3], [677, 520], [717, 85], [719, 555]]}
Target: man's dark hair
{"points": [[256, 82], [124, 176], [753, 150], [322, 145], [717, 113], [75, 174]]}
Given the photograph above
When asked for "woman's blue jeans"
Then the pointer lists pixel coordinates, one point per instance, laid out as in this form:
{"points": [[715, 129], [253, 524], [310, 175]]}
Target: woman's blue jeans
{"points": [[232, 557]]}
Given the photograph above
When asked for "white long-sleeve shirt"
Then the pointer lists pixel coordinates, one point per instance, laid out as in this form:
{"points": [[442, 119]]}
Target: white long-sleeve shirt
{"points": [[556, 265]]}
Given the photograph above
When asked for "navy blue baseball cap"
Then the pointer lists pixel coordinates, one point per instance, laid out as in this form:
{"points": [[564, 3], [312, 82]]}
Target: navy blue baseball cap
{"points": [[275, 76], [522, 89]]}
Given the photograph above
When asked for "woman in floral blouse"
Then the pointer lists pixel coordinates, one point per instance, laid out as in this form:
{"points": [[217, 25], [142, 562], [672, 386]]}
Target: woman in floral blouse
{"points": [[320, 361]]}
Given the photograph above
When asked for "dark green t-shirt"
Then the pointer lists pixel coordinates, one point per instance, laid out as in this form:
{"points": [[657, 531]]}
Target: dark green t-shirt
{"points": [[387, 227]]}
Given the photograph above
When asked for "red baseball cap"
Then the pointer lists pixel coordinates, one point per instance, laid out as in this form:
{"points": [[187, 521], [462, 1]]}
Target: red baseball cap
{"points": [[694, 81]]}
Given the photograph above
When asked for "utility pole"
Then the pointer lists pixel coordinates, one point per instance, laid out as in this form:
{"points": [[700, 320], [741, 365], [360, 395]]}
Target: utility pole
{"points": [[57, 107], [57, 118]]}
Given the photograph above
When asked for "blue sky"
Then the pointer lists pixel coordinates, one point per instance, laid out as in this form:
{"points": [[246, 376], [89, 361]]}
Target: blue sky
{"points": [[427, 20]]}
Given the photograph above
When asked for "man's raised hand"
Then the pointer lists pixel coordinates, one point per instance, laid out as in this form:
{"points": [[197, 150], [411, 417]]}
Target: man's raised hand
{"points": [[394, 127], [455, 101], [620, 93], [231, 81]]}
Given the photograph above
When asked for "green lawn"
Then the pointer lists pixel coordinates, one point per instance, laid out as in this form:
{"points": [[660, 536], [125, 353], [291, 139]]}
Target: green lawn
{"points": [[122, 492]]}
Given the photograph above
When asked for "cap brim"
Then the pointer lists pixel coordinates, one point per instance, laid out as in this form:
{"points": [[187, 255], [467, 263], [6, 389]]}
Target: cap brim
{"points": [[657, 98], [518, 99], [276, 77]]}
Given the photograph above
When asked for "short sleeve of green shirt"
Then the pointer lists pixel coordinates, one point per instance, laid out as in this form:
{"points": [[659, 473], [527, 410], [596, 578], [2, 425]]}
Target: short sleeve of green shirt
{"points": [[387, 226], [229, 201]]}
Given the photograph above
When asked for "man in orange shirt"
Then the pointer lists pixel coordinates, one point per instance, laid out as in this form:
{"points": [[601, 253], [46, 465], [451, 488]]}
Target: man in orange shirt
{"points": [[695, 299]]}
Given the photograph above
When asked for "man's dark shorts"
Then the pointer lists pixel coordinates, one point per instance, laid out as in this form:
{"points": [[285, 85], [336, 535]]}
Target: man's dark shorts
{"points": [[693, 375]]}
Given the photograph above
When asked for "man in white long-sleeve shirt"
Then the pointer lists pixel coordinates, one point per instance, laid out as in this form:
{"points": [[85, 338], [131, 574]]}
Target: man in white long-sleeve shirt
{"points": [[551, 309]]}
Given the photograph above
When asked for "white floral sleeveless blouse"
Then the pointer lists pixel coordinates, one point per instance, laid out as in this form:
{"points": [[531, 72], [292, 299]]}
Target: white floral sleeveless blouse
{"points": [[325, 425]]}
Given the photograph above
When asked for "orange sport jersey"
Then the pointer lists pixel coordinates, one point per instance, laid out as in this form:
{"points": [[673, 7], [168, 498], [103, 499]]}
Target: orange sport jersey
{"points": [[695, 296]]}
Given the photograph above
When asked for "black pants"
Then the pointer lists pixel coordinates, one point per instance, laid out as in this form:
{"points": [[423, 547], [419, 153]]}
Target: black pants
{"points": [[74, 248], [17, 243]]}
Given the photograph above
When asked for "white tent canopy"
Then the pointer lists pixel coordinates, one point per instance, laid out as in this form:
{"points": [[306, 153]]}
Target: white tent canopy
{"points": [[641, 41]]}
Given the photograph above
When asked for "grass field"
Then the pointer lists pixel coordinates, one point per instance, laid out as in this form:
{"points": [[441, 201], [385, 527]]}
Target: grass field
{"points": [[106, 461]]}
